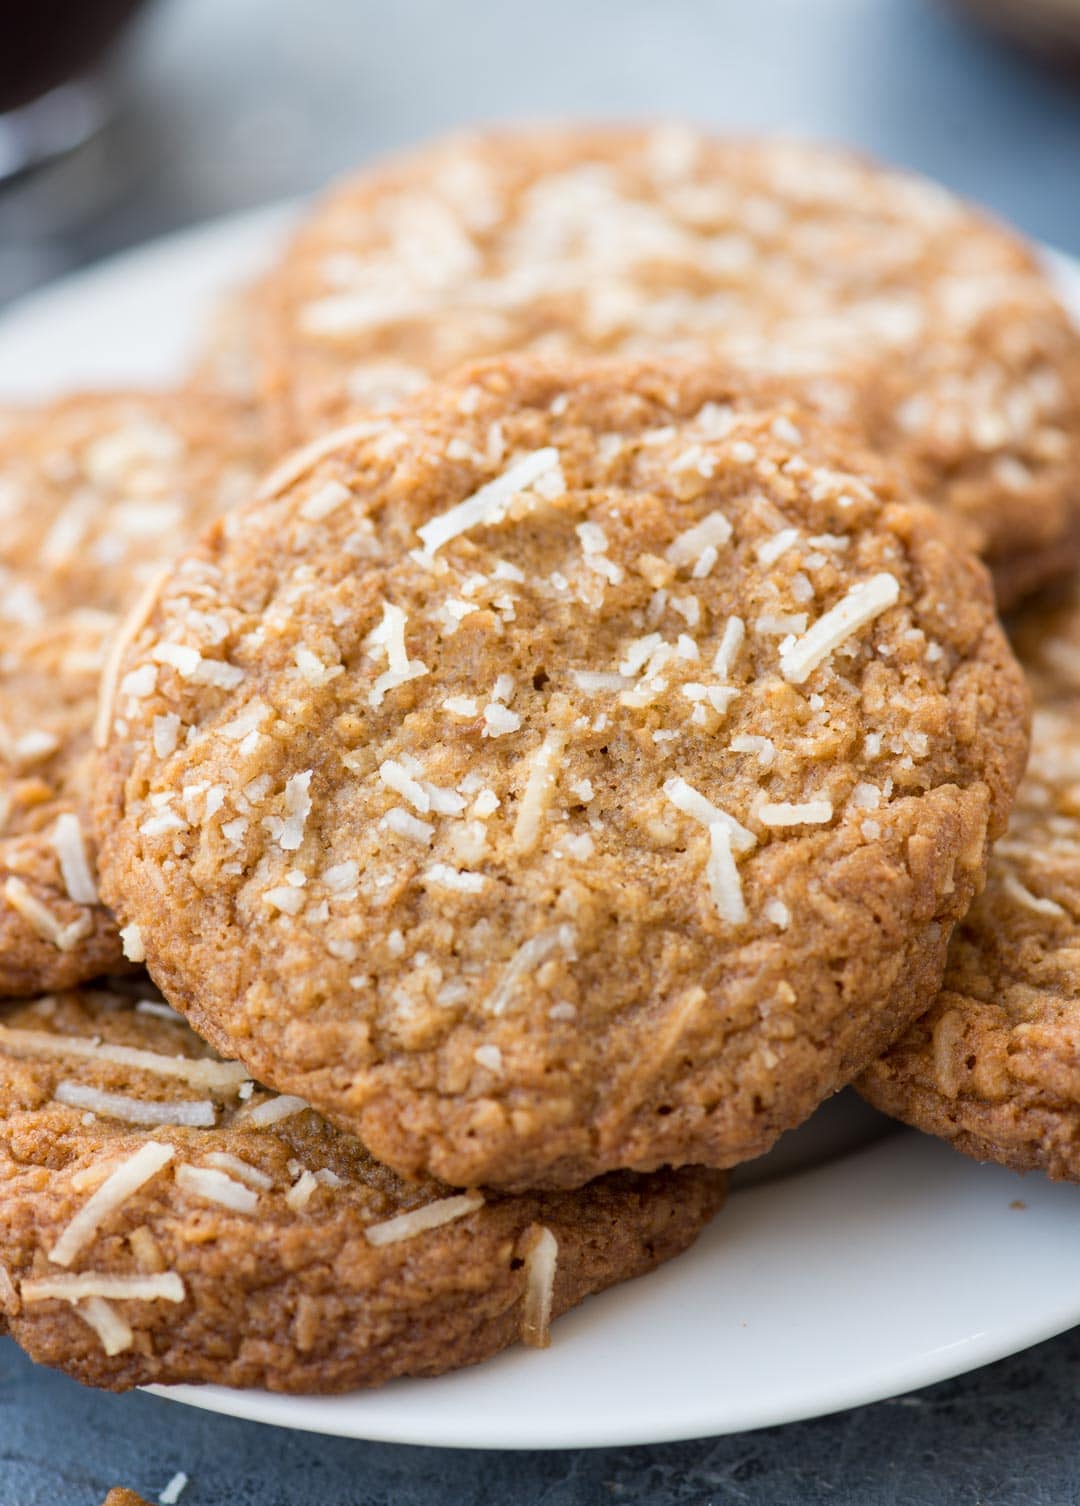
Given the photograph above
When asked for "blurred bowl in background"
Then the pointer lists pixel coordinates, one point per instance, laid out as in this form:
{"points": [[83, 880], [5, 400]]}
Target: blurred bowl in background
{"points": [[1049, 27], [53, 92]]}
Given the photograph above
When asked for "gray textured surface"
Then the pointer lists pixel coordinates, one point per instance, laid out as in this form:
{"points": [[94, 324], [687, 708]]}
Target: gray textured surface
{"points": [[229, 104], [1005, 1436]]}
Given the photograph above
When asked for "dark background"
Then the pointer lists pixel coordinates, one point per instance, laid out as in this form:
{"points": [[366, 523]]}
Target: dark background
{"points": [[223, 104]]}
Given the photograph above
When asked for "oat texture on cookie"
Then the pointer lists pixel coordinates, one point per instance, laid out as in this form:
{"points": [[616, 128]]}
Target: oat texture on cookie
{"points": [[898, 306], [992, 1067], [579, 768], [96, 493], [165, 1219]]}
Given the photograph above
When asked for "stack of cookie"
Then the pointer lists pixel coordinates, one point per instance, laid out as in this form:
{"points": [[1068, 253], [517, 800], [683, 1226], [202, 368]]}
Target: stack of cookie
{"points": [[531, 705]]}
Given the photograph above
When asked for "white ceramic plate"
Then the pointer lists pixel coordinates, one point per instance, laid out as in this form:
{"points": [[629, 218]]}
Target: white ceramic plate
{"points": [[851, 1265]]}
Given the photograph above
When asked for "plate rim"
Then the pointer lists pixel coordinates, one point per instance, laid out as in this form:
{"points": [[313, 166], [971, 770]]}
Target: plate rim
{"points": [[214, 241]]}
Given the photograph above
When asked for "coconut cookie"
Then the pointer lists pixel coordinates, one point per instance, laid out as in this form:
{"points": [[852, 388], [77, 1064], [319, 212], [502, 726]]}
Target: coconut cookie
{"points": [[993, 1067], [96, 492], [226, 362], [896, 304], [165, 1220], [579, 769]]}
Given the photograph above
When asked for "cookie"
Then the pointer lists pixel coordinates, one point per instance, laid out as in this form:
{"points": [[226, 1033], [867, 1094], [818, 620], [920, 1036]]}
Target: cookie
{"points": [[993, 1066], [118, 1496], [96, 492], [225, 361], [894, 303], [164, 1220], [580, 768]]}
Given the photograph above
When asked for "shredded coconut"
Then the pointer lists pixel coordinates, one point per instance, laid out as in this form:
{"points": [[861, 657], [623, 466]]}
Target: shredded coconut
{"points": [[693, 804], [730, 643], [272, 1110], [129, 630], [489, 504], [528, 957], [420, 1220], [179, 656], [297, 810], [113, 1331], [722, 876], [285, 898], [42, 920], [540, 1266], [489, 1057], [224, 1161], [124, 1182], [860, 606], [1023, 896], [781, 624], [593, 682], [454, 878], [395, 777], [203, 1072], [299, 1194], [166, 734], [499, 720], [132, 943], [778, 913], [405, 824], [789, 813], [174, 1490], [713, 532], [390, 635], [166, 1287], [763, 747], [215, 1186], [341, 876], [325, 500], [770, 550], [539, 791], [314, 670], [300, 461], [70, 848], [198, 1113]]}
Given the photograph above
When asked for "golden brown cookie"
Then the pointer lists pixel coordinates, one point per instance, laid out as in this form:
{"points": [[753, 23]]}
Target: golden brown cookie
{"points": [[994, 1066], [931, 326], [118, 1496], [164, 1220], [226, 360], [581, 768], [97, 492]]}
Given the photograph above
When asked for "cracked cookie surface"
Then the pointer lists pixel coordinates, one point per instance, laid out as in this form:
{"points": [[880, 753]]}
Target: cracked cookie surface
{"points": [[935, 329], [165, 1220], [579, 768], [994, 1066], [97, 492]]}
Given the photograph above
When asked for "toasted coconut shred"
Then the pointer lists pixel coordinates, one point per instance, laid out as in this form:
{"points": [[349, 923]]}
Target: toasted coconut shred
{"points": [[166, 1287], [115, 1334], [9, 1297], [420, 1220], [42, 920], [216, 1186], [202, 1072], [239, 1168], [128, 631], [199, 1113], [540, 1265], [124, 1182], [272, 1110], [69, 844]]}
